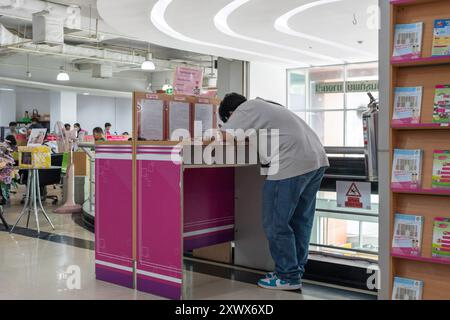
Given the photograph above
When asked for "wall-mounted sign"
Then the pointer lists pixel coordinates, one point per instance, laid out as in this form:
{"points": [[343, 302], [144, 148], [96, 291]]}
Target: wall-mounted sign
{"points": [[188, 81], [350, 86], [353, 194]]}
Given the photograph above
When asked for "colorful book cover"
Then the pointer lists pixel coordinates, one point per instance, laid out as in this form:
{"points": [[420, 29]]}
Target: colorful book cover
{"points": [[441, 38], [441, 238], [407, 105], [441, 169], [407, 238], [408, 41], [441, 112], [407, 169], [407, 289]]}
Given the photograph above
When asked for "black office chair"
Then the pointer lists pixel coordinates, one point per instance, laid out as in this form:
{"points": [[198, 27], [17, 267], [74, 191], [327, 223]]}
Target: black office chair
{"points": [[47, 177]]}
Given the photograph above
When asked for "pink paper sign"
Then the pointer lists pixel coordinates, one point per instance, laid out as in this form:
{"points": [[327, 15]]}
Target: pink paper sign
{"points": [[188, 81]]}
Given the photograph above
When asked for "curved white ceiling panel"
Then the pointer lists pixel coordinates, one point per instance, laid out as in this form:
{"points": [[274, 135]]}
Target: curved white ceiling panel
{"points": [[308, 33]]}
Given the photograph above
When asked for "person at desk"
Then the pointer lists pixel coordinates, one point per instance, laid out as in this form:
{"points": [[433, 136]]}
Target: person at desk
{"points": [[108, 129], [79, 130], [13, 128], [12, 142], [289, 193], [98, 134]]}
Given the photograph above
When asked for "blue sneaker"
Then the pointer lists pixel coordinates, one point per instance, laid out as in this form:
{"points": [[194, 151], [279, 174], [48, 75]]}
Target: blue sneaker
{"points": [[278, 284], [270, 275]]}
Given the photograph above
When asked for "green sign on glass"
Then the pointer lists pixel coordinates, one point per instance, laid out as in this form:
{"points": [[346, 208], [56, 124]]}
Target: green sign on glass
{"points": [[350, 86]]}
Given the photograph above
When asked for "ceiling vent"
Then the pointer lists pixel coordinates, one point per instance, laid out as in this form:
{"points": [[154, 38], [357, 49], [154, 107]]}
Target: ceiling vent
{"points": [[102, 71], [47, 29]]}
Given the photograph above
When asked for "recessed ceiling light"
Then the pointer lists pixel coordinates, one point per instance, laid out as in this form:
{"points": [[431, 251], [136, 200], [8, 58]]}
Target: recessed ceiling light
{"points": [[6, 89], [86, 93]]}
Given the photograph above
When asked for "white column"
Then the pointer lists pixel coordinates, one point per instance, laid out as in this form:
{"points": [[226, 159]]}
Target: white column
{"points": [[7, 106], [68, 107], [231, 77], [63, 107]]}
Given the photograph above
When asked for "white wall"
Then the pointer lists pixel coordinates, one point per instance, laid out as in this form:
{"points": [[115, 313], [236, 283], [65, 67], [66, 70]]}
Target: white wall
{"points": [[7, 107], [29, 99], [95, 111], [267, 81]]}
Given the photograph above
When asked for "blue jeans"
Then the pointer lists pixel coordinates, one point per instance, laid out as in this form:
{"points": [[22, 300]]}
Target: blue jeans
{"points": [[288, 214]]}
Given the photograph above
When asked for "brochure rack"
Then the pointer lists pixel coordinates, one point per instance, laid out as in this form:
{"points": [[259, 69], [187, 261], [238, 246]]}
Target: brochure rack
{"points": [[428, 72]]}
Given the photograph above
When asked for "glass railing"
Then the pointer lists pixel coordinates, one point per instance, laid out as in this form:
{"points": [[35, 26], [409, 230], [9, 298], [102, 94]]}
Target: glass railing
{"points": [[345, 231]]}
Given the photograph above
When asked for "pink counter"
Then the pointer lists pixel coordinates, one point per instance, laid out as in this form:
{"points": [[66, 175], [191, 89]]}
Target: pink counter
{"points": [[113, 207], [178, 208]]}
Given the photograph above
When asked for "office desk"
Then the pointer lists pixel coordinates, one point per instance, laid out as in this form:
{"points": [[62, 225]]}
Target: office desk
{"points": [[143, 228]]}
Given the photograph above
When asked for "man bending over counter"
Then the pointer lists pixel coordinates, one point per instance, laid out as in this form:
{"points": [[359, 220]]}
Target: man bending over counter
{"points": [[289, 193]]}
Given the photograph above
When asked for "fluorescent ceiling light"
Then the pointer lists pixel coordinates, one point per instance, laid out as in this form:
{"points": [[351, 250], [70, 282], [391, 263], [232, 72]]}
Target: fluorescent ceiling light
{"points": [[158, 20], [6, 89], [221, 23], [282, 25], [63, 75]]}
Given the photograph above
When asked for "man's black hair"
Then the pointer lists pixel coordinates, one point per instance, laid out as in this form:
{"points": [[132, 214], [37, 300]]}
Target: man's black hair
{"points": [[229, 104], [108, 124], [13, 123]]}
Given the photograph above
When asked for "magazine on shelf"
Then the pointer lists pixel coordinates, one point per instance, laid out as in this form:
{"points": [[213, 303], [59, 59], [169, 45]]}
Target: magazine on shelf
{"points": [[407, 289], [441, 38], [441, 169], [407, 105], [407, 169], [441, 238], [407, 237], [441, 111], [408, 41]]}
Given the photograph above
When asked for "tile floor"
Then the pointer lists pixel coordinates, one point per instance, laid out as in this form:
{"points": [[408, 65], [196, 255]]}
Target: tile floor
{"points": [[33, 268]]}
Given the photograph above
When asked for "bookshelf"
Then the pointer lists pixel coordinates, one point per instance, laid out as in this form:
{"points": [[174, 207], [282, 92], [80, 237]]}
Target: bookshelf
{"points": [[428, 72]]}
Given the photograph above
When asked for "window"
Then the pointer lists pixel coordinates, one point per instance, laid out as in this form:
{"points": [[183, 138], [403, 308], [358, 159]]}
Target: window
{"points": [[331, 100]]}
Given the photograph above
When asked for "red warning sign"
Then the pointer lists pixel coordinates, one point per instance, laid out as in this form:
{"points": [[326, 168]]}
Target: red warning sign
{"points": [[353, 197]]}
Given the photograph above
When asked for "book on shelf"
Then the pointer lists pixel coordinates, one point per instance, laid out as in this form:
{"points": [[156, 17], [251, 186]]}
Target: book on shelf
{"points": [[407, 105], [441, 111], [408, 41], [441, 38], [407, 169], [407, 289], [441, 169], [407, 238], [441, 238]]}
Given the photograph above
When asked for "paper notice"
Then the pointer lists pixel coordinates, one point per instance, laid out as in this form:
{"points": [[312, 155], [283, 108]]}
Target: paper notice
{"points": [[151, 126], [178, 116], [204, 113]]}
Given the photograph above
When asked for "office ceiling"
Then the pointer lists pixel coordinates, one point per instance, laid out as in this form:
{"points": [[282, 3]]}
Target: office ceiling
{"points": [[288, 32]]}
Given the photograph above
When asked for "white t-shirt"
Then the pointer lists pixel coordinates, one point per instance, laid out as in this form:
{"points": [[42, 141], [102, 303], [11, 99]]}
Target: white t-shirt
{"points": [[300, 150]]}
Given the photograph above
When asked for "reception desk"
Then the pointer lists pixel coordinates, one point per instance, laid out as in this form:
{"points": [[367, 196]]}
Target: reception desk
{"points": [[152, 205]]}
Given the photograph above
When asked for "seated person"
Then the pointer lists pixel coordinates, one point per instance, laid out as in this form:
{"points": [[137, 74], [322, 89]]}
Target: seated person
{"points": [[98, 134], [13, 128], [12, 142]]}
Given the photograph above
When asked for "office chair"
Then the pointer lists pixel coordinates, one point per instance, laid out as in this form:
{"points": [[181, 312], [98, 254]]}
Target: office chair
{"points": [[47, 177]]}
